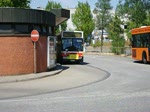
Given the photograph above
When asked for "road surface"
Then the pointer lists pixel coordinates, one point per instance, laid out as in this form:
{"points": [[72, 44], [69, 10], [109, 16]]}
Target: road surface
{"points": [[101, 84]]}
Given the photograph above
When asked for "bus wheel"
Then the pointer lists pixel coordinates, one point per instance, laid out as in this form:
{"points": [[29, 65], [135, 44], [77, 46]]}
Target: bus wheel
{"points": [[144, 59], [82, 60]]}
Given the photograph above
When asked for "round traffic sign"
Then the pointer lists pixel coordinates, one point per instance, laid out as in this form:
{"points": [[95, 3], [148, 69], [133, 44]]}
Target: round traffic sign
{"points": [[34, 35]]}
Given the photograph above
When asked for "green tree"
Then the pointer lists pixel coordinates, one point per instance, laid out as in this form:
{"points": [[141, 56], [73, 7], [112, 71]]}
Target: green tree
{"points": [[115, 32], [134, 10], [102, 12], [51, 5], [83, 19], [15, 3], [147, 8], [135, 13]]}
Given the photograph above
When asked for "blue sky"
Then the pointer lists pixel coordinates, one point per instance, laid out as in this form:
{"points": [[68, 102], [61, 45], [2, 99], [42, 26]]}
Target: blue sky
{"points": [[67, 3]]}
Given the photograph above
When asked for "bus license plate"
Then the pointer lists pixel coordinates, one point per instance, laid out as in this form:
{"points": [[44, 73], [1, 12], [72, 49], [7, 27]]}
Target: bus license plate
{"points": [[73, 56]]}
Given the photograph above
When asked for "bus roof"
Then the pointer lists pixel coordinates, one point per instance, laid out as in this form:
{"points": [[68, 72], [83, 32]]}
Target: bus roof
{"points": [[141, 30]]}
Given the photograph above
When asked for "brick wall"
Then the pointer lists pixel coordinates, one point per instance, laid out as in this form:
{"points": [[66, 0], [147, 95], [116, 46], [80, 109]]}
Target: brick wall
{"points": [[17, 55], [42, 54]]}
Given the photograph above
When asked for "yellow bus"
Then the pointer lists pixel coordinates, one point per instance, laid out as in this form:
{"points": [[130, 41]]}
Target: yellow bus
{"points": [[141, 44]]}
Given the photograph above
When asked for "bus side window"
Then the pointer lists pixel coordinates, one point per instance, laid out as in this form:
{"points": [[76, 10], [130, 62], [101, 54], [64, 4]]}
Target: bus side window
{"points": [[146, 43], [132, 40], [148, 40], [138, 41], [144, 40]]}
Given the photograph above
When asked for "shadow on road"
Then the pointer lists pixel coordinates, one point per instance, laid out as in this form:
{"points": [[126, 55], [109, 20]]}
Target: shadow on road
{"points": [[84, 63], [73, 63], [140, 62]]}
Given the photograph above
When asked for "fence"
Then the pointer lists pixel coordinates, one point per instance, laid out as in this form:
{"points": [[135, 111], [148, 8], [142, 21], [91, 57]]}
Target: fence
{"points": [[110, 50]]}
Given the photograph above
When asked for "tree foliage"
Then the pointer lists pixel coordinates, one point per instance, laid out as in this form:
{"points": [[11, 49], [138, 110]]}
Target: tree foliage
{"points": [[51, 5], [15, 3], [133, 10], [102, 12], [83, 19], [115, 32], [134, 13], [54, 5]]}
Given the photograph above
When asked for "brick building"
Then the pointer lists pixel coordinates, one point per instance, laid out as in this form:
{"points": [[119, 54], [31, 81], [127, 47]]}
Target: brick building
{"points": [[16, 46]]}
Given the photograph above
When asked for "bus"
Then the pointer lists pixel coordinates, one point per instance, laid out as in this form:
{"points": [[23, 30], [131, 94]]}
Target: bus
{"points": [[141, 44], [71, 46]]}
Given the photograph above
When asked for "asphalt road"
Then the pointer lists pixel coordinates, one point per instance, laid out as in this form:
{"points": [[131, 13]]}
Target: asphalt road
{"points": [[72, 76], [101, 84]]}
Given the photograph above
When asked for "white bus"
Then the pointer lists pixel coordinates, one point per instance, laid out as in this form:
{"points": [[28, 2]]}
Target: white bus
{"points": [[72, 46]]}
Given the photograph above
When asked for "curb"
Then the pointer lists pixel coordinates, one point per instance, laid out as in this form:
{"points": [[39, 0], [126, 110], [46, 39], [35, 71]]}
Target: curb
{"points": [[32, 76], [107, 54]]}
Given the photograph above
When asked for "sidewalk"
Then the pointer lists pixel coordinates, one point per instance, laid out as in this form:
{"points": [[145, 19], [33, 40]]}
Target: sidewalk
{"points": [[18, 78]]}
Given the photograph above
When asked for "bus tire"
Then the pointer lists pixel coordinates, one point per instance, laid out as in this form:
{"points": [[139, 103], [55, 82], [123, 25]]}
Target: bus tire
{"points": [[78, 62], [144, 58], [82, 60]]}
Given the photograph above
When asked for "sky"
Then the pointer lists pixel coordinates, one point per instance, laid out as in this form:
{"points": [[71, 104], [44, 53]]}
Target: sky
{"points": [[68, 3]]}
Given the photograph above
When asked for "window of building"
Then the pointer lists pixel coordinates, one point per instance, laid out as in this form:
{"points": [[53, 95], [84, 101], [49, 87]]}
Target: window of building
{"points": [[44, 29], [5, 28], [50, 30], [20, 28], [38, 28]]}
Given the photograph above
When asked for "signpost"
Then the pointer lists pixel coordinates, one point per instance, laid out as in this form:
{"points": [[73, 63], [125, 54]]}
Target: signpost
{"points": [[35, 38]]}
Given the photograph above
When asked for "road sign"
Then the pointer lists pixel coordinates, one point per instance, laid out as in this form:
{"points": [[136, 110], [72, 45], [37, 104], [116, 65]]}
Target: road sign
{"points": [[35, 38], [34, 35]]}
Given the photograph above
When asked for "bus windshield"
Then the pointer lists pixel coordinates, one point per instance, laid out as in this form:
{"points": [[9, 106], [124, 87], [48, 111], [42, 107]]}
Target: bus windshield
{"points": [[72, 44]]}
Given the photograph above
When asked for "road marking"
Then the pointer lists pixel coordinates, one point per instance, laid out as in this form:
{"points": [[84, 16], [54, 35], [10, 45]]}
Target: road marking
{"points": [[105, 95]]}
